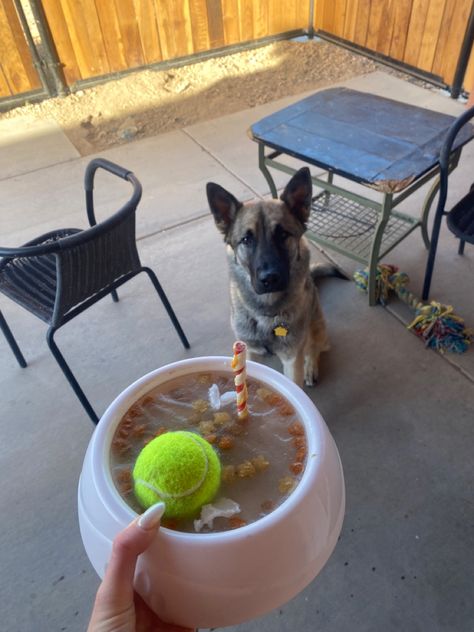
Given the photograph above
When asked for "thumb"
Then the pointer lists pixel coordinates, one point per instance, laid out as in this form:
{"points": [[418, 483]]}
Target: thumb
{"points": [[117, 585]]}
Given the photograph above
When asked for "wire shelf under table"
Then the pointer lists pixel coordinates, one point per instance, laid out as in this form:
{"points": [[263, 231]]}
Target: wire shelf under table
{"points": [[348, 226]]}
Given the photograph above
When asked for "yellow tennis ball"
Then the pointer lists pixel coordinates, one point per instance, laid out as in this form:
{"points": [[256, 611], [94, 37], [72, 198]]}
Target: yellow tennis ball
{"points": [[179, 468]]}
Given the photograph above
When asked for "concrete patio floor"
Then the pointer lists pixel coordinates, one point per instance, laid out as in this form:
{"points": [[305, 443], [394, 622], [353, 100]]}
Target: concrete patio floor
{"points": [[402, 416]]}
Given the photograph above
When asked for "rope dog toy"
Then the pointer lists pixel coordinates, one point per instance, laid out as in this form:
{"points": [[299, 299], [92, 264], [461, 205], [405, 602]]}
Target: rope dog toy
{"points": [[435, 324]]}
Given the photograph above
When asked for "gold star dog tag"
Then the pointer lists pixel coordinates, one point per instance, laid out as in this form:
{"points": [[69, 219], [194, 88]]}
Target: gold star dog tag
{"points": [[280, 330]]}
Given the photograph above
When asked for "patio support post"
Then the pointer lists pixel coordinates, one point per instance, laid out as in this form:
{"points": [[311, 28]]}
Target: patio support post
{"points": [[56, 83], [463, 57]]}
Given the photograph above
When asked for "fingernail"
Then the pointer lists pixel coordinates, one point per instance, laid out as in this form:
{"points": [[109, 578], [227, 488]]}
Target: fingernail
{"points": [[151, 518]]}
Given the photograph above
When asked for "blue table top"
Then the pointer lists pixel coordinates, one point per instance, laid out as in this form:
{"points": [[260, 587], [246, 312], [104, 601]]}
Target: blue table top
{"points": [[369, 139]]}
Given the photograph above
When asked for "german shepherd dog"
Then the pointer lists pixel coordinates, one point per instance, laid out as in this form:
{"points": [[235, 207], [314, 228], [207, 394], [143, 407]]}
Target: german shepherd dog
{"points": [[274, 300]]}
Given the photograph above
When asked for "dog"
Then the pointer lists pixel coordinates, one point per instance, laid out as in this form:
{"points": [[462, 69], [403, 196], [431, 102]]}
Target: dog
{"points": [[275, 305]]}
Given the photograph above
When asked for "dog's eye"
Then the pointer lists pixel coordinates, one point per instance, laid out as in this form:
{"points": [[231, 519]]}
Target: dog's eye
{"points": [[247, 239], [281, 234]]}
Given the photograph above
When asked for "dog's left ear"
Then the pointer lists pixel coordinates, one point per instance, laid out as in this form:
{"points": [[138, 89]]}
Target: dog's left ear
{"points": [[298, 194], [224, 206]]}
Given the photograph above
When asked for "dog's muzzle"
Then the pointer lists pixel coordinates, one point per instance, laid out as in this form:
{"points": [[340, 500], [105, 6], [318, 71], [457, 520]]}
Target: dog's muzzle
{"points": [[271, 280]]}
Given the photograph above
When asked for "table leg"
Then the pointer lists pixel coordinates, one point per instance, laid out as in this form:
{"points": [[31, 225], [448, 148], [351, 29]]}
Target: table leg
{"points": [[426, 211], [386, 208], [264, 170]]}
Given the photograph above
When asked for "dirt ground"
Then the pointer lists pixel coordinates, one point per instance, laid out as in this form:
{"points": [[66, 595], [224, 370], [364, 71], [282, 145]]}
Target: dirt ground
{"points": [[151, 102]]}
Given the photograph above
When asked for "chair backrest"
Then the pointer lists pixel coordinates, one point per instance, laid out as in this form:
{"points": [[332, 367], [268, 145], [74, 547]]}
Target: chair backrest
{"points": [[445, 153], [67, 267], [91, 260]]}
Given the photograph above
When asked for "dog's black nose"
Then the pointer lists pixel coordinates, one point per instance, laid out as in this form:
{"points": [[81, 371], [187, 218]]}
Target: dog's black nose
{"points": [[269, 280]]}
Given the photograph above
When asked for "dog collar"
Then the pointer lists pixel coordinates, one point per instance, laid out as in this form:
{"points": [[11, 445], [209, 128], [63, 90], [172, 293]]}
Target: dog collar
{"points": [[281, 330]]}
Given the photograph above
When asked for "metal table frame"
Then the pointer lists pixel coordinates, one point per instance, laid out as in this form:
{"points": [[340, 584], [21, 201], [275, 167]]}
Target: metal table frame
{"points": [[373, 228]]}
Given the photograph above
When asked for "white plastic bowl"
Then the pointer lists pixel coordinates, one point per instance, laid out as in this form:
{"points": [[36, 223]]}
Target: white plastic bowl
{"points": [[220, 579]]}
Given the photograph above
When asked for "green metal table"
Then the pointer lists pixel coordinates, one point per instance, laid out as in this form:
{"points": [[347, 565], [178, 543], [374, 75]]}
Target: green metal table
{"points": [[391, 147]]}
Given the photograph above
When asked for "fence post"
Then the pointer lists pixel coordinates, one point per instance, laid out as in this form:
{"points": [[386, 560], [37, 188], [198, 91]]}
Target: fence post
{"points": [[463, 57], [311, 20], [50, 68]]}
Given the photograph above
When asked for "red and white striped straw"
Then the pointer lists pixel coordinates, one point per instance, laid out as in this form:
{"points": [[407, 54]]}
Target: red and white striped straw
{"points": [[240, 378]]}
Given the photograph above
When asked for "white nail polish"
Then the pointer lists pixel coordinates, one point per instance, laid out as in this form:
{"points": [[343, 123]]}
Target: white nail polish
{"points": [[151, 518]]}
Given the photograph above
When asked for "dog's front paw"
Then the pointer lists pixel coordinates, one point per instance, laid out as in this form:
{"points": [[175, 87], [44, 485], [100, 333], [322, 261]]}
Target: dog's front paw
{"points": [[310, 372]]}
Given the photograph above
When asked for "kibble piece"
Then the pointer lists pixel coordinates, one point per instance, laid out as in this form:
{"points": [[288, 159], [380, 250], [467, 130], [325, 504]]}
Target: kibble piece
{"points": [[221, 418], [139, 430], [286, 409], [246, 470], [296, 468], [260, 463], [267, 505], [263, 393], [200, 405], [210, 438], [135, 411], [206, 427], [275, 400], [299, 442], [300, 455], [286, 484], [296, 429], [235, 522], [226, 442], [229, 473]]}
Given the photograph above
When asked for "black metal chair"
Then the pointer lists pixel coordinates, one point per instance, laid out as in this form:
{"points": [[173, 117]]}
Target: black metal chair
{"points": [[460, 219], [60, 274]]}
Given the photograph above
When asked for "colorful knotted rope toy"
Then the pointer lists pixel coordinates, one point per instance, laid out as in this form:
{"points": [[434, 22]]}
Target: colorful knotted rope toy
{"points": [[435, 324]]}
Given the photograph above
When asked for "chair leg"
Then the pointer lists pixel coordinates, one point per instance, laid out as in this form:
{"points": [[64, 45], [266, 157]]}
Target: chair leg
{"points": [[461, 246], [167, 305], [431, 255], [11, 341], [69, 375], [115, 297]]}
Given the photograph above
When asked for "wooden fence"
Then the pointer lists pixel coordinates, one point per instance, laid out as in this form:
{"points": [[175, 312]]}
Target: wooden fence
{"points": [[95, 38], [17, 72], [424, 34], [98, 37]]}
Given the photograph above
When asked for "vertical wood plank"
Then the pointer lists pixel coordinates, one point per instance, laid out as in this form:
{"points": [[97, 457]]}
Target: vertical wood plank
{"points": [[415, 31], [362, 22], [401, 18], [260, 18], [430, 36], [200, 24], [112, 36], [375, 26], [387, 24], [19, 48], [350, 21], [231, 21], [4, 87], [148, 29], [339, 17], [246, 20], [318, 14], [130, 35], [174, 25], [448, 46]]}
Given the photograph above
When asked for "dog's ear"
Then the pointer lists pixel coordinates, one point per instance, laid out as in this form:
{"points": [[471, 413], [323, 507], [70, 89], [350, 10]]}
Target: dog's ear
{"points": [[298, 193], [224, 206]]}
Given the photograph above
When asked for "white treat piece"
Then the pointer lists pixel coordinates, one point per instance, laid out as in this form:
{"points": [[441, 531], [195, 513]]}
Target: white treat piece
{"points": [[215, 397], [222, 508], [227, 397]]}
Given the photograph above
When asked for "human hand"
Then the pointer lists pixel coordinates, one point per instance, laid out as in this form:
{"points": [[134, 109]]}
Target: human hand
{"points": [[117, 607]]}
